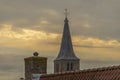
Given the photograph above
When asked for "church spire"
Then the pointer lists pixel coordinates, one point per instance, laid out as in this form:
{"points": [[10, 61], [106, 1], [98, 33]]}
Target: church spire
{"points": [[66, 50]]}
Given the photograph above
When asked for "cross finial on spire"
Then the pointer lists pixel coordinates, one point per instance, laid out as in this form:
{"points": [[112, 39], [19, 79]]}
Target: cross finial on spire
{"points": [[66, 13]]}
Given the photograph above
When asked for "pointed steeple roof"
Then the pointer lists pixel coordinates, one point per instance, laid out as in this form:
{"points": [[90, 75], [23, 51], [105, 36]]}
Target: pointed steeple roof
{"points": [[66, 50]]}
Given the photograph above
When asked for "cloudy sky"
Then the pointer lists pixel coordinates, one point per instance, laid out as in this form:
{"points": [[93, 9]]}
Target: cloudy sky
{"points": [[27, 26]]}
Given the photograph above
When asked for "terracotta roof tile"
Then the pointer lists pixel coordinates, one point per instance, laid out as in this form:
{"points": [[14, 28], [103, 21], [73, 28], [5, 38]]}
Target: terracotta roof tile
{"points": [[106, 73]]}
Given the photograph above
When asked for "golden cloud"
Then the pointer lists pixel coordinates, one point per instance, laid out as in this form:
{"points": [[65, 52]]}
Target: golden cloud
{"points": [[88, 47]]}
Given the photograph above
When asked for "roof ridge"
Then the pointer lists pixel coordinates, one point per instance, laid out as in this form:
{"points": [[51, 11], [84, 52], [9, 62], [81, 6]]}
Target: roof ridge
{"points": [[85, 71]]}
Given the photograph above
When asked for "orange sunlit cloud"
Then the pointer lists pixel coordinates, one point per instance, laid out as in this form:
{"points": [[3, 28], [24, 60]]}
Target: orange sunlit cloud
{"points": [[37, 40]]}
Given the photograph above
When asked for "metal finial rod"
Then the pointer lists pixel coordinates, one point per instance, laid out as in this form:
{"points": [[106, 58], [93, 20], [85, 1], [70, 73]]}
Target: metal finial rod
{"points": [[66, 12]]}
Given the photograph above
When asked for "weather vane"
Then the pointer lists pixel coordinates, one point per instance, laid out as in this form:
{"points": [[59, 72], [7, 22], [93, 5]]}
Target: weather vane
{"points": [[66, 13]]}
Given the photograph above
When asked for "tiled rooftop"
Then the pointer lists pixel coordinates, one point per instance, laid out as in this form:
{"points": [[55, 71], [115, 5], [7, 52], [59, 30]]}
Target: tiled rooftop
{"points": [[105, 73]]}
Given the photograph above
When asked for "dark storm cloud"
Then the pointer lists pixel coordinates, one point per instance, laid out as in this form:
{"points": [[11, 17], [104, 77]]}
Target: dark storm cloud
{"points": [[83, 46], [89, 46], [103, 19], [102, 16]]}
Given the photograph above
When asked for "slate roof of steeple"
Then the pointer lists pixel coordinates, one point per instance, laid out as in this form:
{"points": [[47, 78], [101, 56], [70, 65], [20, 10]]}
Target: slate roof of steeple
{"points": [[66, 50]]}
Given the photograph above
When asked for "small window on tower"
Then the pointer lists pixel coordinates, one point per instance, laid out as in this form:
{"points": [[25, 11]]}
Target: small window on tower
{"points": [[68, 67], [71, 66], [57, 67]]}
